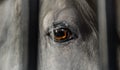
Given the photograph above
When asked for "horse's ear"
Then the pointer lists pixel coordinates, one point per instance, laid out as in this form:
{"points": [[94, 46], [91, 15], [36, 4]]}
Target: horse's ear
{"points": [[92, 4]]}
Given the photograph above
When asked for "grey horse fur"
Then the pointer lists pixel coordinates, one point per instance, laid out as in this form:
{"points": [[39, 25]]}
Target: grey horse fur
{"points": [[13, 34], [76, 54]]}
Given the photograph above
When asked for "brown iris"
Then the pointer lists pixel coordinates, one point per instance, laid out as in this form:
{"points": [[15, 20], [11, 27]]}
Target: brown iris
{"points": [[62, 34]]}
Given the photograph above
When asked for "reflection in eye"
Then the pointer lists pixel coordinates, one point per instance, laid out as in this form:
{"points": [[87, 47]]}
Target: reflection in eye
{"points": [[62, 34]]}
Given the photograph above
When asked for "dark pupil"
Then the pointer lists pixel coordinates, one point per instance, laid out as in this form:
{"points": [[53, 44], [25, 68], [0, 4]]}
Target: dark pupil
{"points": [[59, 32]]}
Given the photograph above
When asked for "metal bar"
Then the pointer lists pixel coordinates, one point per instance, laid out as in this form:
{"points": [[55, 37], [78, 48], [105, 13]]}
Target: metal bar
{"points": [[103, 49], [112, 34], [33, 34], [108, 38], [118, 30]]}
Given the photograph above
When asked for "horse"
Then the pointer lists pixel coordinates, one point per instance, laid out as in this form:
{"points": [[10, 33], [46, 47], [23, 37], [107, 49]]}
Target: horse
{"points": [[68, 35], [67, 39]]}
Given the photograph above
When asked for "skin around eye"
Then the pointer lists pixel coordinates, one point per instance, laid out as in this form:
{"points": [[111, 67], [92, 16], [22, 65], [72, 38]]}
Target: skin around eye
{"points": [[61, 32]]}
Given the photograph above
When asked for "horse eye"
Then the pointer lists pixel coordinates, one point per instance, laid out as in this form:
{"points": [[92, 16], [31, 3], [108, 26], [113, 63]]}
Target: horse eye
{"points": [[62, 34]]}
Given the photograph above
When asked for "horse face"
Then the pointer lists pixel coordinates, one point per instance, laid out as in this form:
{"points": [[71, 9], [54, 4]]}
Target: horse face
{"points": [[68, 36]]}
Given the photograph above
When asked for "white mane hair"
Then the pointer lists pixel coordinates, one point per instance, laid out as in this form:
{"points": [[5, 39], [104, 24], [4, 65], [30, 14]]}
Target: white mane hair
{"points": [[13, 34]]}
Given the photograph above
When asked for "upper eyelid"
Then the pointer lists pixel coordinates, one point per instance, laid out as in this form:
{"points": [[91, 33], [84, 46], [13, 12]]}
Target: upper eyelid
{"points": [[62, 24], [55, 25]]}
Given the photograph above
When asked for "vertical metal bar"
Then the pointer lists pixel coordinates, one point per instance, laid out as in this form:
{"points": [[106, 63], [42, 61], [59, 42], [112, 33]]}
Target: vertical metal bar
{"points": [[103, 49], [108, 38], [112, 34], [33, 34], [118, 30]]}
